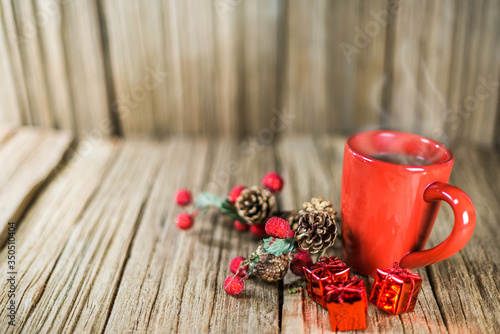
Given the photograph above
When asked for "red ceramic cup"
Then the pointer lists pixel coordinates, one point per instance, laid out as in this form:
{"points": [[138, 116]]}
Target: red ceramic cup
{"points": [[389, 209]]}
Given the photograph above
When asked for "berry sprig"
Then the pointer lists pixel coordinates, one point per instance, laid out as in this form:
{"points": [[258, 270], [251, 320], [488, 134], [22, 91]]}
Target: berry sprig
{"points": [[247, 207], [236, 266], [241, 268], [253, 209], [276, 253]]}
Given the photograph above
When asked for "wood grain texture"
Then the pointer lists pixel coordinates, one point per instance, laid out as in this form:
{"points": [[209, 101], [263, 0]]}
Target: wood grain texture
{"points": [[128, 24], [434, 68], [11, 111], [229, 51], [28, 159], [144, 291], [367, 66], [485, 94], [47, 226], [85, 65], [101, 253], [89, 267], [12, 54], [263, 47], [49, 21], [307, 92], [301, 314], [257, 310], [473, 87], [222, 68], [34, 71], [333, 78], [421, 66], [473, 304]]}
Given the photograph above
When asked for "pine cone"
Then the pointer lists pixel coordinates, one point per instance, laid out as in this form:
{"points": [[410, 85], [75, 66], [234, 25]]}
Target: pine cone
{"points": [[292, 217], [316, 232], [255, 205], [271, 268], [319, 204]]}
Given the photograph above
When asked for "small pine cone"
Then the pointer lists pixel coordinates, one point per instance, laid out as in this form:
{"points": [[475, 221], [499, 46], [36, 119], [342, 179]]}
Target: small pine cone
{"points": [[292, 217], [319, 204], [316, 232], [255, 205], [271, 268]]}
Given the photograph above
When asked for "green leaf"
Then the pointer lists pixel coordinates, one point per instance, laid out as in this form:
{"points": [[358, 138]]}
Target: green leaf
{"points": [[296, 287], [206, 199], [230, 210], [279, 246]]}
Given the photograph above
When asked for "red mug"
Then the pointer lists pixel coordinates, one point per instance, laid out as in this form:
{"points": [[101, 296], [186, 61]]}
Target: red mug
{"points": [[392, 187]]}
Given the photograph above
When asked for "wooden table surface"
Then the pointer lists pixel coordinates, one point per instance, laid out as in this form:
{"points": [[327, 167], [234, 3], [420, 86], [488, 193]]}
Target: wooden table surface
{"points": [[97, 249]]}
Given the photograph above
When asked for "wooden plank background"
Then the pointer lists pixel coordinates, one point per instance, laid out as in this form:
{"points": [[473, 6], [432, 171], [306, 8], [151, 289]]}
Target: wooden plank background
{"points": [[98, 250], [226, 67]]}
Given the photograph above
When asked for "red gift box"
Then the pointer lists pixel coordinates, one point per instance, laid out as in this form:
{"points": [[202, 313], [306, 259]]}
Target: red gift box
{"points": [[395, 290], [346, 304], [323, 273]]}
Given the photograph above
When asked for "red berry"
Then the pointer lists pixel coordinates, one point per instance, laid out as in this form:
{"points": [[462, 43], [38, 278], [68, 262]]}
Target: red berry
{"points": [[184, 221], [273, 182], [299, 262], [292, 234], [277, 227], [234, 285], [183, 197], [234, 266], [258, 230], [235, 193], [240, 226]]}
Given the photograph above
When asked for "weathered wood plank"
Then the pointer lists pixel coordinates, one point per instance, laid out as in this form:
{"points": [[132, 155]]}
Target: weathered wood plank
{"points": [[257, 309], [186, 297], [229, 44], [6, 132], [472, 48], [47, 226], [178, 288], [49, 23], [221, 67], [154, 255], [305, 90], [484, 99], [29, 158], [137, 28], [420, 68], [367, 32], [454, 120], [262, 62], [101, 251], [15, 151], [81, 31], [27, 40], [79, 293], [11, 111], [301, 167], [465, 284], [435, 51], [13, 53]]}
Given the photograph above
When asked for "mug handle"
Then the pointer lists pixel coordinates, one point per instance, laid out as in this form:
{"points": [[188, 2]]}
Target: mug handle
{"points": [[465, 220]]}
